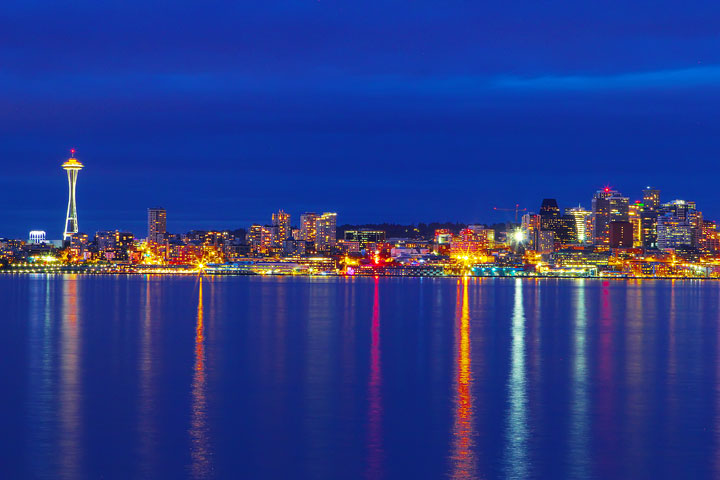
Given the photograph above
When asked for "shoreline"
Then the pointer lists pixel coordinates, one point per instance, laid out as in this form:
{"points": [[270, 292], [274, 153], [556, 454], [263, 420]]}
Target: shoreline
{"points": [[344, 276]]}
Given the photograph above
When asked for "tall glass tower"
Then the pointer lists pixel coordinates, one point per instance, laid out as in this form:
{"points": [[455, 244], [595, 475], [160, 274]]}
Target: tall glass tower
{"points": [[72, 167]]}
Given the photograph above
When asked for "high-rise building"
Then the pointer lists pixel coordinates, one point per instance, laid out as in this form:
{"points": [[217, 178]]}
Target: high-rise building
{"points": [[260, 238], [582, 219], [709, 242], [157, 225], [679, 225], [72, 166], [563, 226], [281, 221], [608, 206], [635, 218], [325, 231], [307, 226], [621, 235], [531, 226], [649, 216]]}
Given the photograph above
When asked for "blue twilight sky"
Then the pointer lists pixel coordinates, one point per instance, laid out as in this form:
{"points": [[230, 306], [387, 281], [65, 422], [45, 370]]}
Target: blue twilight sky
{"points": [[403, 111]]}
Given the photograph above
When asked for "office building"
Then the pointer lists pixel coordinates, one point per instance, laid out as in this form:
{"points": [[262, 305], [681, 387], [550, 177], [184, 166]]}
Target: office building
{"points": [[621, 235], [648, 217], [608, 206], [679, 225], [562, 226], [583, 223]]}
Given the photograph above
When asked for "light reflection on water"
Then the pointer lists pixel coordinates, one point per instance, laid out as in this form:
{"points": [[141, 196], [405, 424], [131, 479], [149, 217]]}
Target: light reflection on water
{"points": [[516, 437], [361, 378], [200, 453], [579, 441], [70, 394], [463, 455]]}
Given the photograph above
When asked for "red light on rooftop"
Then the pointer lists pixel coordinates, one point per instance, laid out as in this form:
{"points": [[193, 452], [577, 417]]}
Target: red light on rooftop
{"points": [[607, 189]]}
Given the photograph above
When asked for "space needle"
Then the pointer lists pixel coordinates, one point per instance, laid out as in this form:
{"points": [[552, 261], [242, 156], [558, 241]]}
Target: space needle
{"points": [[72, 167]]}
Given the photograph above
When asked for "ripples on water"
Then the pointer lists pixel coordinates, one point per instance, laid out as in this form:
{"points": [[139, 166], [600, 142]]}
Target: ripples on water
{"points": [[163, 377]]}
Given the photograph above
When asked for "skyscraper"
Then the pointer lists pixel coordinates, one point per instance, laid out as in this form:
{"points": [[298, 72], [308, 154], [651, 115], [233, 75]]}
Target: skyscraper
{"points": [[581, 217], [649, 217], [325, 231], [608, 206], [281, 221], [679, 224], [563, 226], [157, 225], [72, 167]]}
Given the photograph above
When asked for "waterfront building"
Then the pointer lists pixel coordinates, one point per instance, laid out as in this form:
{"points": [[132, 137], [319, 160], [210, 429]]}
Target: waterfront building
{"points": [[72, 166], [608, 206], [157, 225], [325, 231], [483, 234], [365, 236]]}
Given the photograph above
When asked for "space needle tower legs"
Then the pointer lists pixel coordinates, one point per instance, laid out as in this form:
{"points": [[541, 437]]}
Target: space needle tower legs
{"points": [[72, 167]]}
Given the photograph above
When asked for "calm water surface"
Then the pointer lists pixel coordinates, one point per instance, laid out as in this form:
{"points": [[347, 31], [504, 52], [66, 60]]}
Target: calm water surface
{"points": [[247, 377]]}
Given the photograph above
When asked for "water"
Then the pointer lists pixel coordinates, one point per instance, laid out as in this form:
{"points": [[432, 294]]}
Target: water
{"points": [[276, 377]]}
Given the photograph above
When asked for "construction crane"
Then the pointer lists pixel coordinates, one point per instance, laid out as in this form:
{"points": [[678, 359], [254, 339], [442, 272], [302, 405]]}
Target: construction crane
{"points": [[517, 210]]}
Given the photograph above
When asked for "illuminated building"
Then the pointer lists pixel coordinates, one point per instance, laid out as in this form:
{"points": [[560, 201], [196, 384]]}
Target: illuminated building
{"points": [[580, 257], [679, 225], [260, 238], [531, 226], [634, 217], [308, 229], [608, 206], [483, 234], [37, 236], [325, 231], [649, 216], [364, 236], [582, 219], [72, 166], [563, 226], [709, 242], [621, 235], [545, 241], [281, 222], [157, 225], [651, 198]]}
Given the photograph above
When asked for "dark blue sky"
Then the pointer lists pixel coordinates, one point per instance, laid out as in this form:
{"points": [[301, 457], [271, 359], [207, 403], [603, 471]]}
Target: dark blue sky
{"points": [[382, 111]]}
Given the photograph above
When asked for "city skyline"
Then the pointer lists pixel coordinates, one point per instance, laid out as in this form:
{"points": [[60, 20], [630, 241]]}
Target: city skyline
{"points": [[501, 215], [364, 106]]}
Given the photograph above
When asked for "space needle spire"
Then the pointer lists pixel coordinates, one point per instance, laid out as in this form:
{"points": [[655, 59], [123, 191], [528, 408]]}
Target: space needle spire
{"points": [[72, 167]]}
